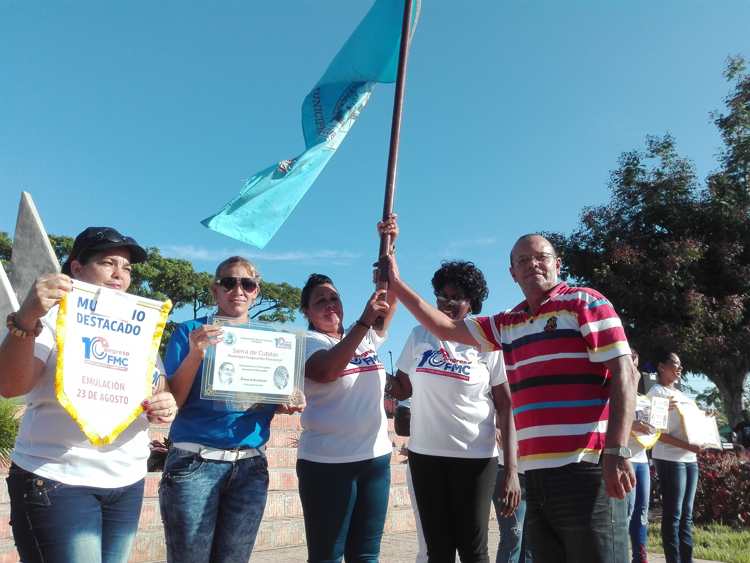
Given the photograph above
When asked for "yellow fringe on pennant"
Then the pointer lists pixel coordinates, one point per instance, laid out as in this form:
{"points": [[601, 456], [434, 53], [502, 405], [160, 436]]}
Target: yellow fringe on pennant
{"points": [[94, 437]]}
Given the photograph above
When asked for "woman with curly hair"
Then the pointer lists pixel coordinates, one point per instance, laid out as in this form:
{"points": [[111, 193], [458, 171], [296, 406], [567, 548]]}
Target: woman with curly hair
{"points": [[456, 391]]}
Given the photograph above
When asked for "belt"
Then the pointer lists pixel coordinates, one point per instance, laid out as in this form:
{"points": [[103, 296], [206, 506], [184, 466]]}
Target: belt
{"points": [[216, 454]]}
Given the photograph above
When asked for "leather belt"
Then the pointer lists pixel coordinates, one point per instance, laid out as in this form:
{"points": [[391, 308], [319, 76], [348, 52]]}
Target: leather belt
{"points": [[217, 454]]}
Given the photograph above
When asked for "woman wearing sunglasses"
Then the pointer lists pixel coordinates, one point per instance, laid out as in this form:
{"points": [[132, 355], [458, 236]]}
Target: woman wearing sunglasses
{"points": [[213, 491], [457, 393], [70, 500], [343, 459]]}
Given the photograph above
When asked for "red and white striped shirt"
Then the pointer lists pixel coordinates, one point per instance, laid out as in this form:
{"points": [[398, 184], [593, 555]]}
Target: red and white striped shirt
{"points": [[554, 362]]}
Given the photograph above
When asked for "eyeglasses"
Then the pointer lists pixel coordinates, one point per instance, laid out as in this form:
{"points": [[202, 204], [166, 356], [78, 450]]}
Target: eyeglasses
{"points": [[541, 258], [248, 284], [443, 301]]}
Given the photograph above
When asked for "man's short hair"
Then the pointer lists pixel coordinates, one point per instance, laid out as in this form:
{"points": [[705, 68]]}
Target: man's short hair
{"points": [[530, 235]]}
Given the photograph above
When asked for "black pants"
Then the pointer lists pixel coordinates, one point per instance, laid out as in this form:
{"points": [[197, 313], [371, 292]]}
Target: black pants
{"points": [[454, 497]]}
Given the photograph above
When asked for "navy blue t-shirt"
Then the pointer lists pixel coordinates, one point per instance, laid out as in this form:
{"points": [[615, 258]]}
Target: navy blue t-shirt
{"points": [[211, 423]]}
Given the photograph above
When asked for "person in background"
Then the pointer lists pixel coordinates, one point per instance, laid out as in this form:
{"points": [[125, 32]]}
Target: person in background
{"points": [[638, 498], [213, 491], [512, 546], [457, 392], [677, 465], [70, 500], [344, 452]]}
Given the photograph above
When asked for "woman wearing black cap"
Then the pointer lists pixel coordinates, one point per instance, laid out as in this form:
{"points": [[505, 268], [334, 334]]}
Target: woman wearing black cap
{"points": [[71, 501]]}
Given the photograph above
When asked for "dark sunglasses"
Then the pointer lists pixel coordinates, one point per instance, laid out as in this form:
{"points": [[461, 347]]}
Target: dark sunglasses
{"points": [[248, 284]]}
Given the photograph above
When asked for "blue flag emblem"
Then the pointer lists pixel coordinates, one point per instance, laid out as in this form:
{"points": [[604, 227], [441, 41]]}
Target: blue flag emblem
{"points": [[369, 56]]}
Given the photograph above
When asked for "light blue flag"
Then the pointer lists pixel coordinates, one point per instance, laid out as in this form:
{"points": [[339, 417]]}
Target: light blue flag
{"points": [[370, 55]]}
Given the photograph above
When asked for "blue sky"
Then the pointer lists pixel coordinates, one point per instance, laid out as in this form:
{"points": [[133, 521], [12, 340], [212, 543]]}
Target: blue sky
{"points": [[147, 116]]}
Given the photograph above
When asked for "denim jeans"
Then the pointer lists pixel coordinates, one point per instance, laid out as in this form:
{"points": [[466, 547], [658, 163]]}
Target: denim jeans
{"points": [[638, 512], [211, 509], [678, 482], [570, 518], [57, 523], [344, 505], [512, 547]]}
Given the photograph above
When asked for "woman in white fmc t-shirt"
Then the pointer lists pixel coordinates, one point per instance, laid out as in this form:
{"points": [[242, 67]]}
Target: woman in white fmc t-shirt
{"points": [[456, 392], [343, 458]]}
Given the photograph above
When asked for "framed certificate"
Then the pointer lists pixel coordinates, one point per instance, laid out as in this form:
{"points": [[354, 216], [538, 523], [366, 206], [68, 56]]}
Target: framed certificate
{"points": [[254, 363]]}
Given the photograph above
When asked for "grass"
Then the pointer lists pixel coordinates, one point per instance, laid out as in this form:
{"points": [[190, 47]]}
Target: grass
{"points": [[8, 428], [714, 542]]}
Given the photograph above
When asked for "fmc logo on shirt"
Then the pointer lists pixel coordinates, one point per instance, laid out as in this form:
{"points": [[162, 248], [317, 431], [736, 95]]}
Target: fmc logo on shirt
{"points": [[438, 362], [367, 361]]}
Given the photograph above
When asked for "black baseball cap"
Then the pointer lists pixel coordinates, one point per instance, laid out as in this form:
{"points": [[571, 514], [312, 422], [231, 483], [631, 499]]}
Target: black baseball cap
{"points": [[96, 239]]}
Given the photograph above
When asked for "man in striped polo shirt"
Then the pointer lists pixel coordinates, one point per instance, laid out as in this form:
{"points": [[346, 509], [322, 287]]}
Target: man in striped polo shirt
{"points": [[573, 390]]}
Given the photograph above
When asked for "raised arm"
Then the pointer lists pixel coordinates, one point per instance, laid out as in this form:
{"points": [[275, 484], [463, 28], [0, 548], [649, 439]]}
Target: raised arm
{"points": [[20, 370], [436, 322], [325, 366]]}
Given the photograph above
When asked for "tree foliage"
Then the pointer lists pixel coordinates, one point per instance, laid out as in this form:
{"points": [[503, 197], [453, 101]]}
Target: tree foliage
{"points": [[673, 253], [160, 277], [6, 245]]}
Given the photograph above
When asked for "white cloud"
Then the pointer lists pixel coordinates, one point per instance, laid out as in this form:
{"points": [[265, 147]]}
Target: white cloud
{"points": [[200, 254]]}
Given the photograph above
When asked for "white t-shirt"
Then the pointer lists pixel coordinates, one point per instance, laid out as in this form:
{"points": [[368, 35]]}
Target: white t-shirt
{"points": [[452, 412], [51, 445], [637, 449], [668, 452], [344, 420]]}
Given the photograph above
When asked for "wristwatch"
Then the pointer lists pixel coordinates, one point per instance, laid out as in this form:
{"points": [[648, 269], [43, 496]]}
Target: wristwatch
{"points": [[619, 452]]}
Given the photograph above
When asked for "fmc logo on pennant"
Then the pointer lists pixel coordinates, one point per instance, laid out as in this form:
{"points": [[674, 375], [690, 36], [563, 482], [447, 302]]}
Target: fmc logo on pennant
{"points": [[96, 351]]}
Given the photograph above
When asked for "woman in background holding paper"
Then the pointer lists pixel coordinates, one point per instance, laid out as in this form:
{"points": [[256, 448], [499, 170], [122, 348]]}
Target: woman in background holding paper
{"points": [[213, 491], [676, 463], [643, 436], [70, 500]]}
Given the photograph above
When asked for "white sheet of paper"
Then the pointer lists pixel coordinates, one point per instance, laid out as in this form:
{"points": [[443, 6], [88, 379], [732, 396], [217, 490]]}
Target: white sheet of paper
{"points": [[659, 413], [700, 428]]}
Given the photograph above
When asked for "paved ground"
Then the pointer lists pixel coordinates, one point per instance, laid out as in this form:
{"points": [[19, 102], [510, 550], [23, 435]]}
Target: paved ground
{"points": [[395, 548]]}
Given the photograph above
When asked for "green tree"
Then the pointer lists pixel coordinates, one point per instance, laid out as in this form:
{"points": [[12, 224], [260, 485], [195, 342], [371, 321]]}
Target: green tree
{"points": [[160, 277], [6, 246], [62, 245], [277, 302], [673, 254]]}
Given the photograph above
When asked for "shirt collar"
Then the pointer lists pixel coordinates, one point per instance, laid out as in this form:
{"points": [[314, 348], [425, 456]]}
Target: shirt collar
{"points": [[523, 306]]}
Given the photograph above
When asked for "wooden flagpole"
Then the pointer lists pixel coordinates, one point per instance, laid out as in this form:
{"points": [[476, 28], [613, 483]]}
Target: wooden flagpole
{"points": [[390, 181]]}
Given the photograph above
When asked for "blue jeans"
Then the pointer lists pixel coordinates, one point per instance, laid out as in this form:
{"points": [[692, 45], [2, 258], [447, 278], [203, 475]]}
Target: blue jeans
{"points": [[638, 512], [512, 547], [211, 509], [570, 518], [344, 505], [57, 523], [678, 482]]}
